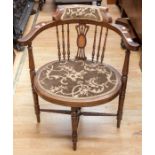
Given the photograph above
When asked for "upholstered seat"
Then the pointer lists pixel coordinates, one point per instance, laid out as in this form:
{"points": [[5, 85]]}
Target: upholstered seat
{"points": [[77, 81]]}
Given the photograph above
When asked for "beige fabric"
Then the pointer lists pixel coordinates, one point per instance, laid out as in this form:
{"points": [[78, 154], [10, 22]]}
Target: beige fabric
{"points": [[96, 13]]}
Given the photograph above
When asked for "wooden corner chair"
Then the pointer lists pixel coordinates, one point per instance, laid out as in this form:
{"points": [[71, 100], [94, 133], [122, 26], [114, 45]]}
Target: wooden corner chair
{"points": [[79, 81]]}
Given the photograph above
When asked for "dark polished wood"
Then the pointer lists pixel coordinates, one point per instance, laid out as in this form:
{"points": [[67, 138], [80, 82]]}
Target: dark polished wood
{"points": [[96, 114], [99, 44], [75, 122], [14, 56], [94, 44], [125, 71], [82, 26], [32, 75], [84, 113], [58, 43], [131, 45], [56, 111], [104, 45], [68, 42]]}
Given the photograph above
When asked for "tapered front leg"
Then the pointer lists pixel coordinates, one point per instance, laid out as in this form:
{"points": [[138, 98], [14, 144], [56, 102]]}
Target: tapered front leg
{"points": [[36, 105], [123, 89], [121, 102], [75, 122], [32, 75]]}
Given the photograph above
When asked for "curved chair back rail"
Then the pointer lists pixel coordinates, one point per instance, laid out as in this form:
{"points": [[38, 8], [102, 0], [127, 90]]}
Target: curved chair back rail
{"points": [[120, 29]]}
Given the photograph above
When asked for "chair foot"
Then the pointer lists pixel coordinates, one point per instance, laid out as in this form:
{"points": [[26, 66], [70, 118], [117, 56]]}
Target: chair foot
{"points": [[38, 118], [36, 105], [118, 123], [74, 146], [74, 140], [121, 105], [119, 118]]}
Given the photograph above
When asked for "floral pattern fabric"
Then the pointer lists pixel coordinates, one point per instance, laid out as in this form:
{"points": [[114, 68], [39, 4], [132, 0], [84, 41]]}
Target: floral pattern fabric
{"points": [[77, 79]]}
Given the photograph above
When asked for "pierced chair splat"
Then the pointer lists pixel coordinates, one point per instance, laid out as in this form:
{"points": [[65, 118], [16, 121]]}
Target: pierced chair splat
{"points": [[79, 81]]}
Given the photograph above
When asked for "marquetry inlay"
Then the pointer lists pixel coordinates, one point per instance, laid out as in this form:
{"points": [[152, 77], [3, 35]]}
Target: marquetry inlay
{"points": [[82, 30], [81, 41]]}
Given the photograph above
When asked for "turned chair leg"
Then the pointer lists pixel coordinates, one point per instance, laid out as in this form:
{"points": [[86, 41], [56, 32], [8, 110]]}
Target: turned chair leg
{"points": [[120, 110], [32, 75], [75, 122], [121, 101], [36, 106], [123, 89]]}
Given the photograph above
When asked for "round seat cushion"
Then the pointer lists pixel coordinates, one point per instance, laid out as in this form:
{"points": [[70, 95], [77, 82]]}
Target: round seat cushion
{"points": [[77, 83]]}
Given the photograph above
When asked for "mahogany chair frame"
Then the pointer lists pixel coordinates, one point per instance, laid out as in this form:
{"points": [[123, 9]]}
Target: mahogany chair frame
{"points": [[75, 111]]}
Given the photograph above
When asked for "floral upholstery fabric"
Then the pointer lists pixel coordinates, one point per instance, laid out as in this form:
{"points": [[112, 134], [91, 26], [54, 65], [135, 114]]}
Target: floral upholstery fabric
{"points": [[77, 79]]}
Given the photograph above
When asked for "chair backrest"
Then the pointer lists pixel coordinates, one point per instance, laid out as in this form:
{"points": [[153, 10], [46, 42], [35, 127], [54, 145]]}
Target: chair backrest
{"points": [[96, 40], [83, 20]]}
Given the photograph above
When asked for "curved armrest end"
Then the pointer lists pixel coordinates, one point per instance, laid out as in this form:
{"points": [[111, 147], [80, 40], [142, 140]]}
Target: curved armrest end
{"points": [[23, 41], [26, 40], [129, 43]]}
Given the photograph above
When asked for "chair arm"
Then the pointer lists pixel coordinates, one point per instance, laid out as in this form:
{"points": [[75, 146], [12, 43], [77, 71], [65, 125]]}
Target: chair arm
{"points": [[129, 43], [27, 39]]}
